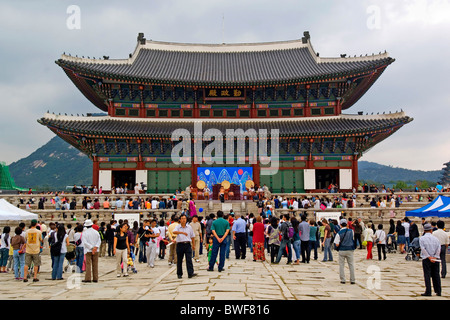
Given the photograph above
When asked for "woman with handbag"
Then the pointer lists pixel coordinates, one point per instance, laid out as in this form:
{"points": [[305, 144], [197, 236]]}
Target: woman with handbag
{"points": [[18, 243], [79, 250], [368, 240]]}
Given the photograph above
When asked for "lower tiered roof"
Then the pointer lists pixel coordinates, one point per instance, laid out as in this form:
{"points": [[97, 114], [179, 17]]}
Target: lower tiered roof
{"points": [[113, 127]]}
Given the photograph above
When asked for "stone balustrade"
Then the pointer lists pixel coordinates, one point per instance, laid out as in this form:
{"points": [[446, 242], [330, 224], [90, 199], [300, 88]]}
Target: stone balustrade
{"points": [[377, 215], [413, 197], [363, 209]]}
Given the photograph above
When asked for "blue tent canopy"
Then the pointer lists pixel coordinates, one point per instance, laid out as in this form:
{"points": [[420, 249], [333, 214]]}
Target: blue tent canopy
{"points": [[439, 207]]}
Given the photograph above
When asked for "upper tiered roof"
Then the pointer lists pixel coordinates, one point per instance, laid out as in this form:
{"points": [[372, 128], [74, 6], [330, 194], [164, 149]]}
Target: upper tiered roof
{"points": [[246, 64]]}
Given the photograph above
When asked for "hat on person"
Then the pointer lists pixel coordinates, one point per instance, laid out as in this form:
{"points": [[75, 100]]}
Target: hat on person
{"points": [[88, 223], [427, 227], [343, 221]]}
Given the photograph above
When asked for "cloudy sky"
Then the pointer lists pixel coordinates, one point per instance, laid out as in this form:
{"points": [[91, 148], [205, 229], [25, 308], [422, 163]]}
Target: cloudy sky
{"points": [[416, 33]]}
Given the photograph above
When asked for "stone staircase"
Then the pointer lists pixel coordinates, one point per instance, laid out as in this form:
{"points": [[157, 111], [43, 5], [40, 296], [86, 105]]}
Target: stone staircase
{"points": [[238, 206]]}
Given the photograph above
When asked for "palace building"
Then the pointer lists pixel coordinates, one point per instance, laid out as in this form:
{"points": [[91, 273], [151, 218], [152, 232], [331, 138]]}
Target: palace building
{"points": [[284, 89]]}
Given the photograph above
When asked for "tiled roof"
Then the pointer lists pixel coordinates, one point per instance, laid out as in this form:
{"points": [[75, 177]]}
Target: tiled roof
{"points": [[135, 127], [233, 64]]}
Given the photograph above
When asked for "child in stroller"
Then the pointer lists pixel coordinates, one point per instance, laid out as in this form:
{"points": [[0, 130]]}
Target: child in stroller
{"points": [[130, 263], [391, 244], [413, 252], [70, 257]]}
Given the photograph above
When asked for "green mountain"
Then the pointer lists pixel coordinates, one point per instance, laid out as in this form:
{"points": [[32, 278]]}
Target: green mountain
{"points": [[53, 166], [57, 164], [381, 174]]}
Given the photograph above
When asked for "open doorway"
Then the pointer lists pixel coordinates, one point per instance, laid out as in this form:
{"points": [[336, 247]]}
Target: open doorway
{"points": [[122, 178], [324, 177]]}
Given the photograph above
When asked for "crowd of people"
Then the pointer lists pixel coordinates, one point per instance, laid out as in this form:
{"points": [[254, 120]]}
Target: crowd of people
{"points": [[186, 237]]}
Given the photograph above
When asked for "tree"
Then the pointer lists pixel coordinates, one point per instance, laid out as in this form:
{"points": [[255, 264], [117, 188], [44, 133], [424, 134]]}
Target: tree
{"points": [[401, 185]]}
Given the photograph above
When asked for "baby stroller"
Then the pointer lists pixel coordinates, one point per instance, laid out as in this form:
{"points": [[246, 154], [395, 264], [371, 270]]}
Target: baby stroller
{"points": [[70, 257], [391, 245], [413, 252], [130, 264]]}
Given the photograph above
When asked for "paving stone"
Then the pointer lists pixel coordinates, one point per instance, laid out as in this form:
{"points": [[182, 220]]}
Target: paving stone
{"points": [[400, 280]]}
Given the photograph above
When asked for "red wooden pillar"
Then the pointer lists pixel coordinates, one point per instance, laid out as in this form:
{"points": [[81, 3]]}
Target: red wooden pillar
{"points": [[256, 174], [309, 161], [194, 175], [338, 109], [253, 108], [142, 106], [307, 107], [110, 109], [355, 172], [95, 172], [196, 112]]}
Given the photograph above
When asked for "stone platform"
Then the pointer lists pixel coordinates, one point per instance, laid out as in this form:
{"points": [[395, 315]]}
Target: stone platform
{"points": [[391, 279]]}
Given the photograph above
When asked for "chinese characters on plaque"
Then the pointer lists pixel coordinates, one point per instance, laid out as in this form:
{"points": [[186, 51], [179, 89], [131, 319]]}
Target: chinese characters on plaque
{"points": [[224, 93]]}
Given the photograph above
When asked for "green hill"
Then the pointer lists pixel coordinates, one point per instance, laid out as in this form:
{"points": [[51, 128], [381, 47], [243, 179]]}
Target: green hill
{"points": [[53, 166], [381, 174]]}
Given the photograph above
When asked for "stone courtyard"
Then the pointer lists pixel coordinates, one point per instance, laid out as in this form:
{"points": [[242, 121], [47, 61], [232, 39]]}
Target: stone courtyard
{"points": [[392, 279]]}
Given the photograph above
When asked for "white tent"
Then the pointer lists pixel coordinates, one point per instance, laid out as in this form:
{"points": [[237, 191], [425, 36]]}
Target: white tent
{"points": [[10, 212]]}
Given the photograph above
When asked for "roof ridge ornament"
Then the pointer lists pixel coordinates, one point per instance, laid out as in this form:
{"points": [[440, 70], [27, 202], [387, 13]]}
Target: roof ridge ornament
{"points": [[141, 39], [306, 37]]}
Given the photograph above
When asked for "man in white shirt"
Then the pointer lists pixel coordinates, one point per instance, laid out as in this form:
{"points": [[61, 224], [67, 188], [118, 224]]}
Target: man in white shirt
{"points": [[185, 244], [405, 223], [443, 239], [305, 202], [91, 242], [317, 203], [155, 203], [152, 235]]}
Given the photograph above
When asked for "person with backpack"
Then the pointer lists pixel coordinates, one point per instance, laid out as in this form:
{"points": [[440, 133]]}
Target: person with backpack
{"points": [[346, 246], [32, 248], [58, 251], [102, 232], [274, 238], [287, 232]]}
